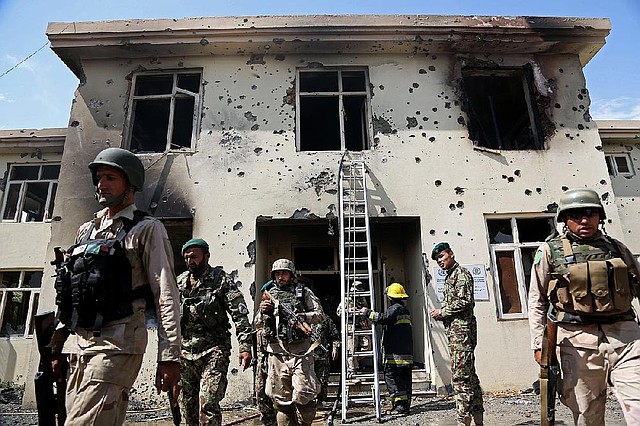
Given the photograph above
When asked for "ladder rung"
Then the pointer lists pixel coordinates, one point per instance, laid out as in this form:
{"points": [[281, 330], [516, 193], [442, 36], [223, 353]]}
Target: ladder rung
{"points": [[366, 332], [355, 244], [362, 354]]}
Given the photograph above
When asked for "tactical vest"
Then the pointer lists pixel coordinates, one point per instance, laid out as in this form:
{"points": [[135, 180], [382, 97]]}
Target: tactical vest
{"points": [[201, 308], [94, 284], [589, 279], [293, 297]]}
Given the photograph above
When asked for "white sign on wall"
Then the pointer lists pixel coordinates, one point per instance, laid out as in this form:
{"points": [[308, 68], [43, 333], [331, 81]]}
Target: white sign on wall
{"points": [[481, 292]]}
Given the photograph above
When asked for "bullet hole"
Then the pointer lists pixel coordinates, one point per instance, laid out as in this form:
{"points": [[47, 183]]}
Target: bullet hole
{"points": [[580, 97], [445, 232], [459, 190], [258, 151], [459, 234], [605, 196], [564, 188], [434, 109], [452, 207], [461, 120], [410, 90], [432, 139], [229, 170], [237, 226], [527, 192], [539, 190], [517, 173], [432, 68], [599, 147], [255, 127], [249, 116], [411, 122], [460, 204], [240, 174], [418, 160], [204, 42], [552, 208], [422, 71], [560, 70], [279, 57], [256, 59], [603, 182], [580, 127], [432, 231], [415, 85], [383, 210], [424, 135], [510, 179], [438, 182], [557, 106]]}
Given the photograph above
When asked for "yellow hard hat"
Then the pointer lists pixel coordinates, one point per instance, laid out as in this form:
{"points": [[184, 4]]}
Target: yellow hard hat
{"points": [[396, 291]]}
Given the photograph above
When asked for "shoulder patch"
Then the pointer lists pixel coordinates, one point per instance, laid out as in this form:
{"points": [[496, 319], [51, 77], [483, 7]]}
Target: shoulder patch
{"points": [[538, 256]]}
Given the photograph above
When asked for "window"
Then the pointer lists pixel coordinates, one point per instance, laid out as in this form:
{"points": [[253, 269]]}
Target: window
{"points": [[165, 111], [30, 192], [19, 294], [502, 110], [333, 110], [513, 241], [619, 164]]}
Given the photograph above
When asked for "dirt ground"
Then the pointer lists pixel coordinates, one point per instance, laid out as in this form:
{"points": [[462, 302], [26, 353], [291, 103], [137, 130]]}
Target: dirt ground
{"points": [[505, 408]]}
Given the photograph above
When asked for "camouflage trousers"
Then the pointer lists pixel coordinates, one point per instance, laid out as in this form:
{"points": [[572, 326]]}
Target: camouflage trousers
{"points": [[265, 404], [322, 367], [98, 388], [399, 384], [204, 383], [466, 385]]}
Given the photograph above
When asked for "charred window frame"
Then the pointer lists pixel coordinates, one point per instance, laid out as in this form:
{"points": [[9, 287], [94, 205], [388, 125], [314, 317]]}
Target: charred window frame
{"points": [[333, 110], [30, 192], [19, 296], [619, 164], [165, 111], [513, 242], [502, 110]]}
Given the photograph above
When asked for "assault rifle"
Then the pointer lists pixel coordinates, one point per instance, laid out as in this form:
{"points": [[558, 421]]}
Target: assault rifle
{"points": [[50, 393], [549, 373], [294, 321]]}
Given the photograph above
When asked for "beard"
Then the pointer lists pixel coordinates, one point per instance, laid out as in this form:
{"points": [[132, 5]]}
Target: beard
{"points": [[198, 268]]}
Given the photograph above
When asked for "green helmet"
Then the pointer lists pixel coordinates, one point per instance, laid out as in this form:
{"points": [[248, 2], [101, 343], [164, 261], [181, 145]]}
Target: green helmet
{"points": [[579, 198], [195, 243], [283, 265], [123, 160]]}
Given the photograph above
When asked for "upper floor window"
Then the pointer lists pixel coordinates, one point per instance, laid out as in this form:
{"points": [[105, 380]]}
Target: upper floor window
{"points": [[29, 193], [513, 241], [19, 295], [165, 111], [502, 109], [333, 109], [619, 164]]}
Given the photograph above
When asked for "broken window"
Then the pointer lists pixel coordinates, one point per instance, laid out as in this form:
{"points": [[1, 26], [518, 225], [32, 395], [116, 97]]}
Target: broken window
{"points": [[619, 164], [165, 111], [513, 241], [30, 192], [333, 110], [19, 295], [502, 110]]}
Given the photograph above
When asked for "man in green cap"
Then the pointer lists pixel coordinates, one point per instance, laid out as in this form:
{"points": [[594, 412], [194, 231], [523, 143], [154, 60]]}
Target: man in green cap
{"points": [[123, 260], [584, 281], [462, 334], [208, 296]]}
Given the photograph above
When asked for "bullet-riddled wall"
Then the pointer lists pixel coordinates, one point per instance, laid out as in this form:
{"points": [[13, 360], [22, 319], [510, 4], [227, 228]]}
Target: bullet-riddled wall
{"points": [[245, 167]]}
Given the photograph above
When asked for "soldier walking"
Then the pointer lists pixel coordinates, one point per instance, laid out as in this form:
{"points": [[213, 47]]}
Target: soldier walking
{"points": [[462, 334], [324, 354], [264, 403], [398, 348], [292, 383], [584, 281], [208, 296]]}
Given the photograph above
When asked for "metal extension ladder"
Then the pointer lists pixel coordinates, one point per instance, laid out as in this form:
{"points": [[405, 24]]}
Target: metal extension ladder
{"points": [[357, 387]]}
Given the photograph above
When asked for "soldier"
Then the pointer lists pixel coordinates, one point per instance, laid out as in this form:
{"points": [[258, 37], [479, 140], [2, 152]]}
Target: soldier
{"points": [[124, 258], [292, 384], [584, 281], [398, 348], [462, 334], [209, 295], [265, 404], [324, 354]]}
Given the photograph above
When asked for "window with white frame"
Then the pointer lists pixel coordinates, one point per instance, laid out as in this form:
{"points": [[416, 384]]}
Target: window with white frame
{"points": [[513, 241], [333, 109], [30, 192], [19, 295], [165, 111], [619, 164]]}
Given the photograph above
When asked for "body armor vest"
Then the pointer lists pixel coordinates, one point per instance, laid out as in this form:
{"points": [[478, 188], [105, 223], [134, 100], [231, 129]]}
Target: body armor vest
{"points": [[291, 296], [589, 279]]}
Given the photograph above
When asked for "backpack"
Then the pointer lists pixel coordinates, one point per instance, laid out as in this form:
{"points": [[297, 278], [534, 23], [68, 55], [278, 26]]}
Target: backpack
{"points": [[94, 284]]}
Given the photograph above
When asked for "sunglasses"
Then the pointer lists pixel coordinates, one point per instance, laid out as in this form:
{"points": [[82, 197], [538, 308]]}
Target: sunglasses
{"points": [[580, 213]]}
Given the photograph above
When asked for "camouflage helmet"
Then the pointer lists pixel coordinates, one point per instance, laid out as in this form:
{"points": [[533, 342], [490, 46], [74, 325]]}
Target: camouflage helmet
{"points": [[396, 291], [579, 198], [283, 265], [123, 160]]}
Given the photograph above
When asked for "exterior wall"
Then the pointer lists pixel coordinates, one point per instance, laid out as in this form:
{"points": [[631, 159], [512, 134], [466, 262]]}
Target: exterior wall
{"points": [[423, 165], [23, 248]]}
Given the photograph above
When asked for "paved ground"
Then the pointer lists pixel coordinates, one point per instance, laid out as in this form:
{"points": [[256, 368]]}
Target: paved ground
{"points": [[508, 409]]}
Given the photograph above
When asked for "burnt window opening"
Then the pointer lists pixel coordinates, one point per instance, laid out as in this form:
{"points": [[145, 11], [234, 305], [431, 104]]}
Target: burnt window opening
{"points": [[513, 242], [333, 110], [165, 111], [19, 296], [502, 110], [30, 193]]}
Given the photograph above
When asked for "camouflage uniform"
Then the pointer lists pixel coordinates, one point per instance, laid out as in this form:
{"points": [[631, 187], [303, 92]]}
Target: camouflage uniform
{"points": [[330, 340], [206, 341], [462, 333], [265, 404]]}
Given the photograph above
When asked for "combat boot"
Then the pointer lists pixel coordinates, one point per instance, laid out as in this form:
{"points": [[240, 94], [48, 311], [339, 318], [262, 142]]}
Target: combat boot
{"points": [[478, 418]]}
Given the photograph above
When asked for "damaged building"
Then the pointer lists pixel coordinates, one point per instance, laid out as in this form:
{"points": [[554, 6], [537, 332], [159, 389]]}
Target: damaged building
{"points": [[470, 128]]}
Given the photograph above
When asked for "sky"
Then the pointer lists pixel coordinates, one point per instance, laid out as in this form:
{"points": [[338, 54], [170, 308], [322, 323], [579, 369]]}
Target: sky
{"points": [[38, 92]]}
